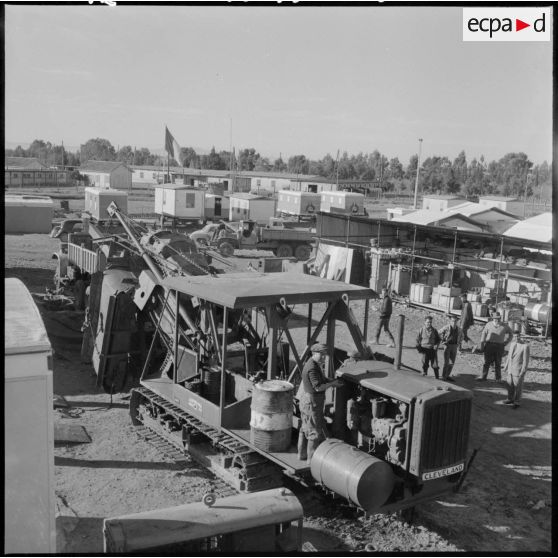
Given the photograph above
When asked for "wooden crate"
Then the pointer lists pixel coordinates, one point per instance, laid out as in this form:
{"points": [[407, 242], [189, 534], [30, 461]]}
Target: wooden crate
{"points": [[421, 293], [449, 291], [400, 279], [449, 302], [480, 309]]}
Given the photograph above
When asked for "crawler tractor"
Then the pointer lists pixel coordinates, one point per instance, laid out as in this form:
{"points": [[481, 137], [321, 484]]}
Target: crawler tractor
{"points": [[203, 347]]}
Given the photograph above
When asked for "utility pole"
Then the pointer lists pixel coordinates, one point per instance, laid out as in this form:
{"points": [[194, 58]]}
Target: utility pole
{"points": [[337, 177], [230, 146], [527, 177], [417, 178]]}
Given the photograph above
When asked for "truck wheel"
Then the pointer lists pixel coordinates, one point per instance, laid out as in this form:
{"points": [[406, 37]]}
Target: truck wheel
{"points": [[284, 251], [302, 252], [226, 249]]}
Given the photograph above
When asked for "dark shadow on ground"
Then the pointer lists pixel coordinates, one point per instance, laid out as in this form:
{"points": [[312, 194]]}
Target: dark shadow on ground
{"points": [[60, 461]]}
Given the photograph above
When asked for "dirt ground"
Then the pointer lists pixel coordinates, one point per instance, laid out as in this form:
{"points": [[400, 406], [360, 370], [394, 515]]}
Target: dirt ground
{"points": [[504, 505]]}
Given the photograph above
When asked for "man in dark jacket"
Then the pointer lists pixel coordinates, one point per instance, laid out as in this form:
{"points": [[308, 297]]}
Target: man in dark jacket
{"points": [[385, 315], [428, 340], [311, 397], [467, 319]]}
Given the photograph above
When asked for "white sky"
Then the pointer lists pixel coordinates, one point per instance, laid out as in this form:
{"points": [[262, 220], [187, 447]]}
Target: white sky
{"points": [[294, 80]]}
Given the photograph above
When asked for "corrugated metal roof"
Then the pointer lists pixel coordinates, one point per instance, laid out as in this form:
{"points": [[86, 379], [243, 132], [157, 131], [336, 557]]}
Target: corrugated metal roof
{"points": [[471, 208], [430, 217], [22, 162], [535, 228], [101, 166], [23, 326]]}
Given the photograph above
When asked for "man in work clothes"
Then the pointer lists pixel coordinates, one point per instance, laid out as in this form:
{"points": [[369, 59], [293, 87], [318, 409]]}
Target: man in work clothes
{"points": [[494, 337], [311, 397], [427, 343], [467, 319], [450, 336], [515, 367], [386, 308]]}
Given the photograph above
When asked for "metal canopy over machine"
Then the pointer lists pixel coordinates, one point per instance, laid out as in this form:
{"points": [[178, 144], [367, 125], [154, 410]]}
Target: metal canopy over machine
{"points": [[246, 290]]}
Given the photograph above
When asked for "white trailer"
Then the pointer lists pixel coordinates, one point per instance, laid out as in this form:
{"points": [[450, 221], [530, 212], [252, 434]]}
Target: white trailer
{"points": [[179, 202], [251, 207], [351, 203], [97, 201], [29, 504], [298, 203], [216, 206]]}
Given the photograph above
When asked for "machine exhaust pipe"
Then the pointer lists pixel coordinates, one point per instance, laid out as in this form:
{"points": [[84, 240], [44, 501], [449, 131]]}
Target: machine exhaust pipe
{"points": [[399, 341]]}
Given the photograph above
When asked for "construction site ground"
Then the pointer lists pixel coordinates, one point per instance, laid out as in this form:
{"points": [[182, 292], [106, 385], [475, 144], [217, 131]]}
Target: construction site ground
{"points": [[504, 505]]}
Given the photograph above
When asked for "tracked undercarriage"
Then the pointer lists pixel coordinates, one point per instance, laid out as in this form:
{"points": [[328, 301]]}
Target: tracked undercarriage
{"points": [[232, 461]]}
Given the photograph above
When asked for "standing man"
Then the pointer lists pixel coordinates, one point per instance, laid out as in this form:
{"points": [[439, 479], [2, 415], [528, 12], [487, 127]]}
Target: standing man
{"points": [[450, 336], [516, 367], [311, 397], [386, 308], [467, 319], [428, 340], [494, 337]]}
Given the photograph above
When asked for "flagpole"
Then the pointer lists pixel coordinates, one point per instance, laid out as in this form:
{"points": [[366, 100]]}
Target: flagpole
{"points": [[168, 167]]}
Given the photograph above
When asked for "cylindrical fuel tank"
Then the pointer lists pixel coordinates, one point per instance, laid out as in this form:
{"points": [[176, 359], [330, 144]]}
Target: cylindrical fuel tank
{"points": [[361, 478], [538, 312], [272, 415]]}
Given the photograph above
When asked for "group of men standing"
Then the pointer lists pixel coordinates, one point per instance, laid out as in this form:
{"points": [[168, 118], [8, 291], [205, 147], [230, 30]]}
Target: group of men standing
{"points": [[494, 337]]}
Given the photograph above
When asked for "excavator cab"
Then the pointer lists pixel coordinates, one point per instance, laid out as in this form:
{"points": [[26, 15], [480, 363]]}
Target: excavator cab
{"points": [[248, 233]]}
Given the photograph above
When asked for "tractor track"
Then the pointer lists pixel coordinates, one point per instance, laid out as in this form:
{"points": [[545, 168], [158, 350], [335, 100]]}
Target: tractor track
{"points": [[313, 501]]}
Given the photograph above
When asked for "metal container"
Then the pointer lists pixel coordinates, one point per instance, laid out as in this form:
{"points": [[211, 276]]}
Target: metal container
{"points": [[240, 520], [29, 498], [212, 384], [361, 478], [538, 312], [272, 415]]}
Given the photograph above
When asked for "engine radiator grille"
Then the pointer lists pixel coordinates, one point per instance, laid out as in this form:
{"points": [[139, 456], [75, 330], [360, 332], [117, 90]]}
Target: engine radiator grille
{"points": [[440, 431]]}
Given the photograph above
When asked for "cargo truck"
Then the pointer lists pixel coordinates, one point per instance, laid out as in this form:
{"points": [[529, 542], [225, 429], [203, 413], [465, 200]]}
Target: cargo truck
{"points": [[283, 241]]}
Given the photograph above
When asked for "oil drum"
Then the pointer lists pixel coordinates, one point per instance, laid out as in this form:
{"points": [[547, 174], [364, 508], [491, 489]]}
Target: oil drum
{"points": [[363, 479], [212, 384], [538, 312], [272, 415]]}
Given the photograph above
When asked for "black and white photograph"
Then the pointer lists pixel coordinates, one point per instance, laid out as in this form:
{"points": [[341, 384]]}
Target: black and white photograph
{"points": [[278, 278]]}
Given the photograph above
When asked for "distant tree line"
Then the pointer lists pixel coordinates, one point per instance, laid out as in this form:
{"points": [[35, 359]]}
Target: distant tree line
{"points": [[512, 175]]}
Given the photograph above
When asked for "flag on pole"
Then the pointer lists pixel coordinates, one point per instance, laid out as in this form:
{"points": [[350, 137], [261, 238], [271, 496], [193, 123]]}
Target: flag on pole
{"points": [[172, 147]]}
